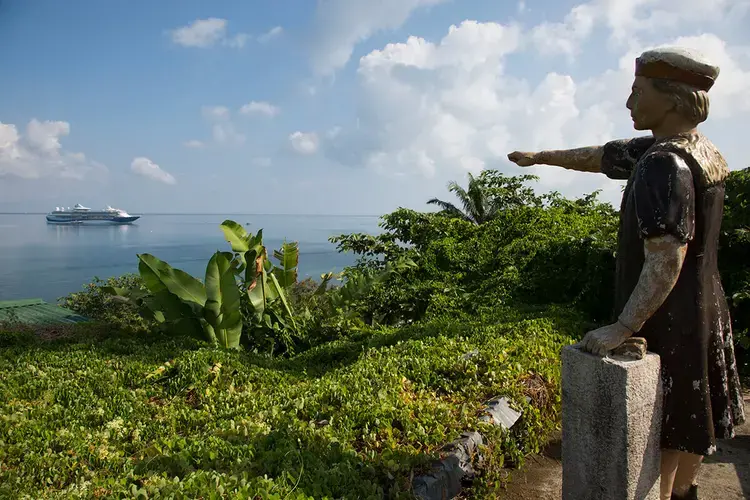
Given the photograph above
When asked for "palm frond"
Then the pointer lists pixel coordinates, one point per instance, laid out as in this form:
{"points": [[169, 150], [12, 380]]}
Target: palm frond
{"points": [[449, 208], [465, 199], [478, 198]]}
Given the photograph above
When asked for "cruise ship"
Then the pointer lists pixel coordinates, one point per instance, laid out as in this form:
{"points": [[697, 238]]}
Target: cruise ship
{"points": [[83, 215]]}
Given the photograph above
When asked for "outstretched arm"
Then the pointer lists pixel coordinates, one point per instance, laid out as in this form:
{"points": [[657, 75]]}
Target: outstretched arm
{"points": [[664, 256], [588, 159], [661, 269]]}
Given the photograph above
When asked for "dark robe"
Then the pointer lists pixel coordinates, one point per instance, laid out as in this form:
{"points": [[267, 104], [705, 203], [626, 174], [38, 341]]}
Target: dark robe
{"points": [[676, 187]]}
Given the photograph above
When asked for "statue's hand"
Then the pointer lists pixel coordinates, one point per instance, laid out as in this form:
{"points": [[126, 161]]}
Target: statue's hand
{"points": [[605, 339], [522, 159]]}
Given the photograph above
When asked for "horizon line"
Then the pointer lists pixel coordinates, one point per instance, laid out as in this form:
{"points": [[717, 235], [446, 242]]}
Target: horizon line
{"points": [[218, 213]]}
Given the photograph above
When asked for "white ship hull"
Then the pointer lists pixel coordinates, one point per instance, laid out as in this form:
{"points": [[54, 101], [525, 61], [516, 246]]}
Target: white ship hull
{"points": [[83, 215]]}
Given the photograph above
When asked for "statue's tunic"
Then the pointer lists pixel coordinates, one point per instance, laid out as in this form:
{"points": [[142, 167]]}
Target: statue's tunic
{"points": [[676, 187]]}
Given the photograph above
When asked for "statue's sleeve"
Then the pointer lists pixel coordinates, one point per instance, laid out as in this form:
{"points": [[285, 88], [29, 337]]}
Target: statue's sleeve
{"points": [[664, 197], [620, 157]]}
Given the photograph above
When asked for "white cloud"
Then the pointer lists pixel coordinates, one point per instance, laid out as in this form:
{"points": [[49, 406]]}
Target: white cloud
{"points": [[45, 136], [193, 144], [443, 108], [200, 33], [39, 153], [627, 21], [203, 33], [223, 130], [305, 143], [145, 167], [225, 133], [565, 37], [262, 108], [341, 24], [215, 112], [271, 34]]}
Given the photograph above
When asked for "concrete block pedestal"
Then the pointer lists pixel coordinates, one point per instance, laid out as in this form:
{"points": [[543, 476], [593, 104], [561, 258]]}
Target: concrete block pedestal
{"points": [[611, 417]]}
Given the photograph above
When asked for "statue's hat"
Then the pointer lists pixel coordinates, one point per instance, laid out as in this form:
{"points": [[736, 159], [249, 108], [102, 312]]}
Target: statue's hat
{"points": [[677, 64]]}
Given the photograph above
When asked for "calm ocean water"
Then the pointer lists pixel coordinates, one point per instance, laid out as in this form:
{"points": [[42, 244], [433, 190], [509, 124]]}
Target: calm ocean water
{"points": [[40, 260]]}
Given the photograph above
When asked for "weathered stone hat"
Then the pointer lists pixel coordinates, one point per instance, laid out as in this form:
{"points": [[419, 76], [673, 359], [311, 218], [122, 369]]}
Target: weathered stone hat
{"points": [[677, 64]]}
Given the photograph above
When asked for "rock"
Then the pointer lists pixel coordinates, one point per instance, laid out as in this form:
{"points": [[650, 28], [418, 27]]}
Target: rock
{"points": [[470, 354], [456, 466], [499, 412]]}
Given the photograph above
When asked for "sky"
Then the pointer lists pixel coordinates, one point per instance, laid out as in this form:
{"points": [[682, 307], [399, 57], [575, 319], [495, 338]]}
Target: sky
{"points": [[351, 107]]}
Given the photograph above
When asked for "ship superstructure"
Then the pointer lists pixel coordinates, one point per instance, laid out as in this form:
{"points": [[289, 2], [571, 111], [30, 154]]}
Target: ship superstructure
{"points": [[82, 215]]}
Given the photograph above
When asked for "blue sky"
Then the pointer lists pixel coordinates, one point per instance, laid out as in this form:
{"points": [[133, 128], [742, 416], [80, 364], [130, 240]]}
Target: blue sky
{"points": [[336, 106]]}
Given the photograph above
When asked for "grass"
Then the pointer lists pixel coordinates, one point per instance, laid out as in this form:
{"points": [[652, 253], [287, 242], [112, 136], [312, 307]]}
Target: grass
{"points": [[85, 413]]}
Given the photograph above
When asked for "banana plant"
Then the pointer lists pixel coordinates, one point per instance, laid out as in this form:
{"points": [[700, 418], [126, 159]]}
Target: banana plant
{"points": [[259, 276], [288, 257], [182, 303]]}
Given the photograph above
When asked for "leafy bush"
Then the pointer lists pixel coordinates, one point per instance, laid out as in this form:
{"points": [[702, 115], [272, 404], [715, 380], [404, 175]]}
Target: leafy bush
{"points": [[537, 249], [96, 303], [148, 414], [734, 262], [524, 254]]}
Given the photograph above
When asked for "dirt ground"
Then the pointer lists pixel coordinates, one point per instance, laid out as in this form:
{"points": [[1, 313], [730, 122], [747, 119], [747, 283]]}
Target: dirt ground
{"points": [[723, 476]]}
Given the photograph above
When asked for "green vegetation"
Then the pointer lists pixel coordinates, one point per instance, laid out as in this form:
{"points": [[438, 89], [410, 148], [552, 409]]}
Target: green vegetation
{"points": [[486, 196], [100, 414], [734, 260], [253, 384]]}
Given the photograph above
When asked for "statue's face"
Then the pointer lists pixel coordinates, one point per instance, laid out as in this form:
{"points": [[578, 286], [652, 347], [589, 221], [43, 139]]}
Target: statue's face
{"points": [[648, 107]]}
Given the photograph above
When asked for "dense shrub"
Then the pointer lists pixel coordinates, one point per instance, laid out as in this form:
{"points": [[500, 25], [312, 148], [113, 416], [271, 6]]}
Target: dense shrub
{"points": [[147, 414], [94, 303], [734, 261], [562, 252], [544, 250]]}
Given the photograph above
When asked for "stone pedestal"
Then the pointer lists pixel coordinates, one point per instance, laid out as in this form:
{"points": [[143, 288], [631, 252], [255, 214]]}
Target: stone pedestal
{"points": [[611, 416]]}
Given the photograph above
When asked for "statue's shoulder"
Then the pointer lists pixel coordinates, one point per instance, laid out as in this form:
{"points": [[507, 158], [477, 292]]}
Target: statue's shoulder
{"points": [[704, 159]]}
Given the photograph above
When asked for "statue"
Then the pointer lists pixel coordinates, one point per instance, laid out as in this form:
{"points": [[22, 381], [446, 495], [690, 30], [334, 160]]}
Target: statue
{"points": [[668, 288]]}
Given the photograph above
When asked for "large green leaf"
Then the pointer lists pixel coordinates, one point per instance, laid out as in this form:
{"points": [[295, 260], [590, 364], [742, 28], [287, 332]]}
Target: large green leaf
{"points": [[192, 327], [185, 286], [158, 276], [236, 235], [222, 309], [151, 276], [257, 240], [279, 291], [248, 259], [169, 305], [288, 258], [149, 313], [256, 293]]}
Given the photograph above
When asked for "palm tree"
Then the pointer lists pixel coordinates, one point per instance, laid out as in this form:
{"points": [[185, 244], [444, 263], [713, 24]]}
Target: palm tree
{"points": [[478, 206]]}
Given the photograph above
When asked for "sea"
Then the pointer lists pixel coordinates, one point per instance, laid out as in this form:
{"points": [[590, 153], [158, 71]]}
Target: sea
{"points": [[49, 261]]}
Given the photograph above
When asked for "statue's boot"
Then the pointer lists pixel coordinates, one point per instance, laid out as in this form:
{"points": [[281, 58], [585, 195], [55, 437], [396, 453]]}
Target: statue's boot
{"points": [[692, 494]]}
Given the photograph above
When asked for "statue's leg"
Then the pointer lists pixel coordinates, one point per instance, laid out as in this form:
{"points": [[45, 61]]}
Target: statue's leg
{"points": [[670, 459], [687, 473]]}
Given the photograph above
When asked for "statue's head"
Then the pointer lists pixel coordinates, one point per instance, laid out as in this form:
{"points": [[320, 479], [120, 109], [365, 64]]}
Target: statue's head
{"points": [[670, 84]]}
